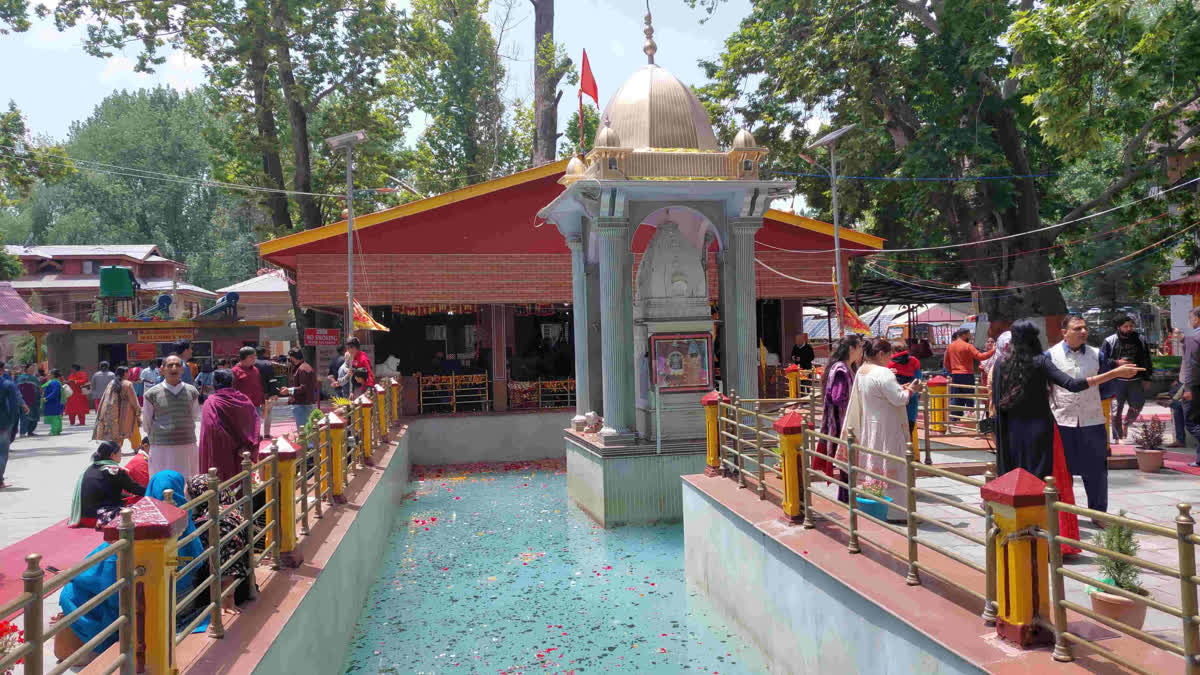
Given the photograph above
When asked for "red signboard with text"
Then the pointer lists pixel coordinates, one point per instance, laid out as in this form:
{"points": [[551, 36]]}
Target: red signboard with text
{"points": [[322, 337], [139, 351]]}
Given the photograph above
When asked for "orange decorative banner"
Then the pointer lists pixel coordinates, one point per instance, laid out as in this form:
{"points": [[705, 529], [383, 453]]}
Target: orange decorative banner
{"points": [[364, 321], [848, 319]]}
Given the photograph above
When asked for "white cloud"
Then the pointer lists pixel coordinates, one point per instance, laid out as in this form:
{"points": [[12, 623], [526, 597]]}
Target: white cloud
{"points": [[182, 72], [119, 69], [618, 48], [44, 36]]}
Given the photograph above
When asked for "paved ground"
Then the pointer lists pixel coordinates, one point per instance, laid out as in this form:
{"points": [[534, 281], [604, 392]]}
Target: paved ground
{"points": [[42, 472]]}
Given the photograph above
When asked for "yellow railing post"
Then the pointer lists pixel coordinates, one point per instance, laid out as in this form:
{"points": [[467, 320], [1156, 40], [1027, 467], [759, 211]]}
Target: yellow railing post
{"points": [[938, 402], [365, 405], [156, 529], [272, 492], [792, 372], [1058, 613], [216, 624], [397, 392], [790, 427], [381, 412], [712, 465], [1018, 504], [286, 452], [335, 426]]}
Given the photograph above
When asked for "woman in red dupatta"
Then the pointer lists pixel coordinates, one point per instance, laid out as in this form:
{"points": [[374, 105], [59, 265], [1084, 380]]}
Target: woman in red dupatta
{"points": [[228, 427]]}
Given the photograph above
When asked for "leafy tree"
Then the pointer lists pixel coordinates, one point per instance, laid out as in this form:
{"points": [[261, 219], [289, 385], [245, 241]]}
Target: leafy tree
{"points": [[963, 89], [10, 266], [458, 81], [591, 121], [23, 161]]}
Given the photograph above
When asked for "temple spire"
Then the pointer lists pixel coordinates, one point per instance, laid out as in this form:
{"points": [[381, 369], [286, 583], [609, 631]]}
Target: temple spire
{"points": [[649, 47]]}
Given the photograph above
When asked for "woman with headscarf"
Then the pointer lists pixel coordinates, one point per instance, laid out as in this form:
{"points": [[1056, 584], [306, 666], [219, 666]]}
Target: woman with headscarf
{"points": [[118, 413], [90, 583], [53, 401], [1021, 399], [877, 415], [102, 488], [232, 533], [839, 380], [228, 427], [31, 393]]}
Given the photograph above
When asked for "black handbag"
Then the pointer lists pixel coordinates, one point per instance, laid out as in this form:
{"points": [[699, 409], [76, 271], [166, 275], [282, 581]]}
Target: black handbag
{"points": [[987, 425]]}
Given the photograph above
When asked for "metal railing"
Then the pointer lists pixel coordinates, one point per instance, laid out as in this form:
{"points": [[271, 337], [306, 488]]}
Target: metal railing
{"points": [[213, 587], [452, 393], [749, 452], [541, 394], [941, 417], [31, 605], [1185, 539]]}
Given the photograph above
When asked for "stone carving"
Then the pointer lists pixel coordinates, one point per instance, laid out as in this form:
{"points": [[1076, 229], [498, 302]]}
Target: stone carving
{"points": [[671, 279]]}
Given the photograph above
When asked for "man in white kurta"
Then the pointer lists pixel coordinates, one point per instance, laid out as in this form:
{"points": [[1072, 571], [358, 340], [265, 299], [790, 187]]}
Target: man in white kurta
{"points": [[169, 415], [1079, 415]]}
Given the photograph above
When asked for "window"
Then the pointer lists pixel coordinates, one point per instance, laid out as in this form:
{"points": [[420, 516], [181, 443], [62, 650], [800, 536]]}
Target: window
{"points": [[747, 165], [612, 163], [89, 267]]}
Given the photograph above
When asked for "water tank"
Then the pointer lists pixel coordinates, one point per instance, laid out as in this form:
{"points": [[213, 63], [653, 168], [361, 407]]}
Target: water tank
{"points": [[116, 282]]}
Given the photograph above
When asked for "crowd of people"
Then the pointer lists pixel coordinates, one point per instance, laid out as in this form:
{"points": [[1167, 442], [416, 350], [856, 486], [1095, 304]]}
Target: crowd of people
{"points": [[1046, 406], [155, 407]]}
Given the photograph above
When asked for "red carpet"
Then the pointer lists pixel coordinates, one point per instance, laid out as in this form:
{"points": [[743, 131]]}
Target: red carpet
{"points": [[60, 546]]}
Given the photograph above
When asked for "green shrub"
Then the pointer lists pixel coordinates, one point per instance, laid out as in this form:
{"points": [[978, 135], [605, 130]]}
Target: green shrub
{"points": [[1119, 539]]}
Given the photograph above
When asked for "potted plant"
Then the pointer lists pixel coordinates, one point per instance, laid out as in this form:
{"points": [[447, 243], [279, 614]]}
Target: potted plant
{"points": [[1148, 442], [10, 638], [877, 504], [1124, 575]]}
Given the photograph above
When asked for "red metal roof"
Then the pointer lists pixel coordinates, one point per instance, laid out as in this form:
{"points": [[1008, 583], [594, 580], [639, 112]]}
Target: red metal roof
{"points": [[1189, 285], [17, 316]]}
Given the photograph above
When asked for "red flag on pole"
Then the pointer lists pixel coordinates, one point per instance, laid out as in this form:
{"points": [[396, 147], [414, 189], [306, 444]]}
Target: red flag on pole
{"points": [[587, 83]]}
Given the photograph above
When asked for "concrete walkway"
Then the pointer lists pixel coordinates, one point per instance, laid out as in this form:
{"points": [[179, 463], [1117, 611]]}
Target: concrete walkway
{"points": [[42, 471]]}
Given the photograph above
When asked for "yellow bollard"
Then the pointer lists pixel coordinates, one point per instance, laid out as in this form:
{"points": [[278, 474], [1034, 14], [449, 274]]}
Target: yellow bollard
{"points": [[793, 377], [381, 412], [265, 475], [1106, 405], [1018, 503], [938, 402], [790, 427], [288, 555], [156, 529], [395, 401], [711, 414], [335, 426], [365, 405]]}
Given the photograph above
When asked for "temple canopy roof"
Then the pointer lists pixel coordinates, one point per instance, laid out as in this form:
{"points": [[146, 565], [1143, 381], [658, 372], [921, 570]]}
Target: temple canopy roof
{"points": [[500, 216], [16, 316]]}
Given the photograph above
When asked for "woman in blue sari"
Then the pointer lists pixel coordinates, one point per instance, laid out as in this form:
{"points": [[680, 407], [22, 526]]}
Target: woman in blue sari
{"points": [[89, 584]]}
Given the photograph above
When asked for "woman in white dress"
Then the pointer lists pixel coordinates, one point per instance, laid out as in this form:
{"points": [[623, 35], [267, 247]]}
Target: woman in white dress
{"points": [[878, 417]]}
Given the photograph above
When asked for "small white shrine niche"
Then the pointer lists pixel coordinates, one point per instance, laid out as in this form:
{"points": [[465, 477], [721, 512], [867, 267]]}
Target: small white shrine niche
{"points": [[672, 333]]}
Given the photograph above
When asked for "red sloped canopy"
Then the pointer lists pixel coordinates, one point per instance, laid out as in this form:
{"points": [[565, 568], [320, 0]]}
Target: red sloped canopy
{"points": [[17, 316], [1189, 285], [940, 314]]}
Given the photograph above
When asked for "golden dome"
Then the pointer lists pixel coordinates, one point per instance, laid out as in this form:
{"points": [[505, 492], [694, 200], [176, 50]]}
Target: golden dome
{"points": [[744, 141], [607, 138], [575, 167], [653, 109]]}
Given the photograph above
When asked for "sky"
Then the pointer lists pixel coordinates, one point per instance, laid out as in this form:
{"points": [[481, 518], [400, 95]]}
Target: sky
{"points": [[58, 83]]}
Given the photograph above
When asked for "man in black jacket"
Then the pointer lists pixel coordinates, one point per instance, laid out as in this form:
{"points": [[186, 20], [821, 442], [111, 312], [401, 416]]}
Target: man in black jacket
{"points": [[1125, 347], [802, 352], [266, 373]]}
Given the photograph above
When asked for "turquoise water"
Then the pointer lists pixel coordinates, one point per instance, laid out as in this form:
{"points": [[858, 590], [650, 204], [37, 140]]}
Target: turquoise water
{"points": [[490, 571]]}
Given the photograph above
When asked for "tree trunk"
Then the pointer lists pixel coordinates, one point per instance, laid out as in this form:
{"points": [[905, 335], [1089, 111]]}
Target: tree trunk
{"points": [[310, 212], [268, 141], [545, 83]]}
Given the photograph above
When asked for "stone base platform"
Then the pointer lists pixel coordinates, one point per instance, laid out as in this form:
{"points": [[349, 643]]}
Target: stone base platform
{"points": [[629, 484]]}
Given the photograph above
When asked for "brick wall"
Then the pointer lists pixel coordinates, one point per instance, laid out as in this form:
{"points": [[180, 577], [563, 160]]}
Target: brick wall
{"points": [[386, 279]]}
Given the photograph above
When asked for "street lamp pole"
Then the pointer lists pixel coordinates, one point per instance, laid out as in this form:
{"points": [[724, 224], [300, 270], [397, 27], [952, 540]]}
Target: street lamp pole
{"points": [[347, 142], [830, 139]]}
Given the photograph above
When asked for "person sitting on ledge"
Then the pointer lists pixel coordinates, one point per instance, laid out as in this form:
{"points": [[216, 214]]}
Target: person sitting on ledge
{"points": [[233, 536], [138, 466], [101, 489], [101, 576]]}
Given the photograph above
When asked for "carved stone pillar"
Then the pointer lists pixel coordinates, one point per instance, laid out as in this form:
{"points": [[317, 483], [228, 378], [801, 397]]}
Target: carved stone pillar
{"points": [[616, 329], [579, 313], [741, 238]]}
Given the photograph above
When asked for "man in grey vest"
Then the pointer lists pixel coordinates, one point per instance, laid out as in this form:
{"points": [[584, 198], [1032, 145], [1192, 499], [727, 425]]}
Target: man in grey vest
{"points": [[169, 416], [1079, 415]]}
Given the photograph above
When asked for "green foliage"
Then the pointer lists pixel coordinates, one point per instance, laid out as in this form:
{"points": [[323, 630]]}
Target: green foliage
{"points": [[1092, 89], [23, 161], [10, 266], [570, 144], [1119, 539]]}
